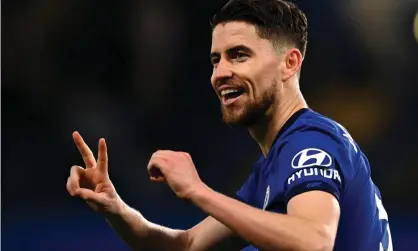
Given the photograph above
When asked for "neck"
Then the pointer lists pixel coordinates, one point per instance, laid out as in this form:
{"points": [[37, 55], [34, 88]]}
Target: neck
{"points": [[265, 132]]}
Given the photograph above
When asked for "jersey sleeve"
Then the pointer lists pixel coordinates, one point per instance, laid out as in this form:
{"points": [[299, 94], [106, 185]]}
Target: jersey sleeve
{"points": [[244, 193], [312, 160]]}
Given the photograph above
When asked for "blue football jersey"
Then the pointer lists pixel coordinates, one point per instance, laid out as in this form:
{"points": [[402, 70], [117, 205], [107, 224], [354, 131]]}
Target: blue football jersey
{"points": [[313, 152]]}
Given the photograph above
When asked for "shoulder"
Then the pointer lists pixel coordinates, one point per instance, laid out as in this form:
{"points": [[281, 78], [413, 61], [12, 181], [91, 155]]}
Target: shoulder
{"points": [[316, 140], [313, 123], [313, 128]]}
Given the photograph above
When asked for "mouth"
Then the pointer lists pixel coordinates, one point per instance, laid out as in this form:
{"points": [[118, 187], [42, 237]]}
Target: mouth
{"points": [[229, 96]]}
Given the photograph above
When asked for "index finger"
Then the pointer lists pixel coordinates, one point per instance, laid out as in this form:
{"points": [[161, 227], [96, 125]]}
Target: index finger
{"points": [[84, 150]]}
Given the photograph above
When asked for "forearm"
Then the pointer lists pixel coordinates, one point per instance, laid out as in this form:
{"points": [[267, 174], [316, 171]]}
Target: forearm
{"points": [[141, 234], [266, 230]]}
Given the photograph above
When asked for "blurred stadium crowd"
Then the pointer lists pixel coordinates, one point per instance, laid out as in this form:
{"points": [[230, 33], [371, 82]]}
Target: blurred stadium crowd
{"points": [[137, 73]]}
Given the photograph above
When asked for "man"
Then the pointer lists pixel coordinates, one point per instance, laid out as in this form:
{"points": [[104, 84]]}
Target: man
{"points": [[311, 188]]}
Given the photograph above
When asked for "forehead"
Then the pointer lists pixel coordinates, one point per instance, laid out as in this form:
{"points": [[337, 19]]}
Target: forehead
{"points": [[226, 35]]}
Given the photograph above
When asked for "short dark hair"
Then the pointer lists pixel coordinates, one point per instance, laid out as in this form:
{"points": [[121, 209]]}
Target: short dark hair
{"points": [[275, 20]]}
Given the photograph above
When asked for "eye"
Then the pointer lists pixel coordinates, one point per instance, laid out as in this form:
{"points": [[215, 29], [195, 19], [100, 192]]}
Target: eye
{"points": [[214, 60], [239, 56]]}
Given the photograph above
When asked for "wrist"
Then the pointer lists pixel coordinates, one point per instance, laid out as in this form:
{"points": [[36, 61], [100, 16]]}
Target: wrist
{"points": [[118, 209], [199, 193]]}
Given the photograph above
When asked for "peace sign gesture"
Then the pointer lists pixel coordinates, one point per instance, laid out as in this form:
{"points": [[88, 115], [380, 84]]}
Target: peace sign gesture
{"points": [[92, 183]]}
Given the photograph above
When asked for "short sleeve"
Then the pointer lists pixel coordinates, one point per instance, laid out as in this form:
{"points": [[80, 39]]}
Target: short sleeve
{"points": [[312, 160]]}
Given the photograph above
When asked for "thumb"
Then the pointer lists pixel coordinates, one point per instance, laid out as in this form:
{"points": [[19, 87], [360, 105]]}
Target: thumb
{"points": [[87, 194]]}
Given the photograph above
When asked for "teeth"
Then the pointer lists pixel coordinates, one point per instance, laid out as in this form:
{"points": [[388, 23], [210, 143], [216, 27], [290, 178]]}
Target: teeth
{"points": [[228, 91]]}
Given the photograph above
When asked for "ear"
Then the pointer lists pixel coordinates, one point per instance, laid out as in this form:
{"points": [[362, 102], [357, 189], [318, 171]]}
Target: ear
{"points": [[292, 63]]}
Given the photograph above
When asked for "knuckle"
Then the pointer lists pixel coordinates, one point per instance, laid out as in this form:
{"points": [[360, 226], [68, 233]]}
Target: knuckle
{"points": [[68, 184], [71, 187], [76, 171], [185, 155], [152, 163], [76, 168], [156, 154]]}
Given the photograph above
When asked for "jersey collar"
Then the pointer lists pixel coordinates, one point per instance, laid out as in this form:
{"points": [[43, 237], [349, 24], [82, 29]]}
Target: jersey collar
{"points": [[289, 123]]}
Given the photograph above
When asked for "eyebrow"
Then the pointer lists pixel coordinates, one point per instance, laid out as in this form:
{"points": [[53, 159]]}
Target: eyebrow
{"points": [[236, 48]]}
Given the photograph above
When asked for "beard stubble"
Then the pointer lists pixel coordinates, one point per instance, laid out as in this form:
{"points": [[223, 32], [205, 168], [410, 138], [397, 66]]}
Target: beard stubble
{"points": [[252, 112]]}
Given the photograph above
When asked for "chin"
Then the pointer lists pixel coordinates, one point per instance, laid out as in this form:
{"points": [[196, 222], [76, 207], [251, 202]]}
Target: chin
{"points": [[240, 118], [247, 114]]}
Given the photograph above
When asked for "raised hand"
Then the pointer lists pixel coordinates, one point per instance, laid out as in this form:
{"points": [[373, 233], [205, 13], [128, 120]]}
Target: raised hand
{"points": [[92, 183], [177, 169]]}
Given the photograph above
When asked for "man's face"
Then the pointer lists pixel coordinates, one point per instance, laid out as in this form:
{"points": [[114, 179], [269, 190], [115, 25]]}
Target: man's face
{"points": [[245, 73]]}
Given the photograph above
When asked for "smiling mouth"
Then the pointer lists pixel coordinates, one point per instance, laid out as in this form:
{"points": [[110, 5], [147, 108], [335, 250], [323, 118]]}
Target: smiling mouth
{"points": [[230, 95]]}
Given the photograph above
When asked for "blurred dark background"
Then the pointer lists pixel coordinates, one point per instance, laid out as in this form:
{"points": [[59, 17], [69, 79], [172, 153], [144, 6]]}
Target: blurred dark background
{"points": [[137, 73]]}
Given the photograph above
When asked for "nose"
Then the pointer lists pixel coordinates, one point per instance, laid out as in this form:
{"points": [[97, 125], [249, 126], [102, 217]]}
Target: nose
{"points": [[221, 72]]}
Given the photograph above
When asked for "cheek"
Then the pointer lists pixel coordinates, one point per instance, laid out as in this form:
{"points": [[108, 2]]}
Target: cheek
{"points": [[265, 77], [259, 82], [250, 75], [212, 81]]}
